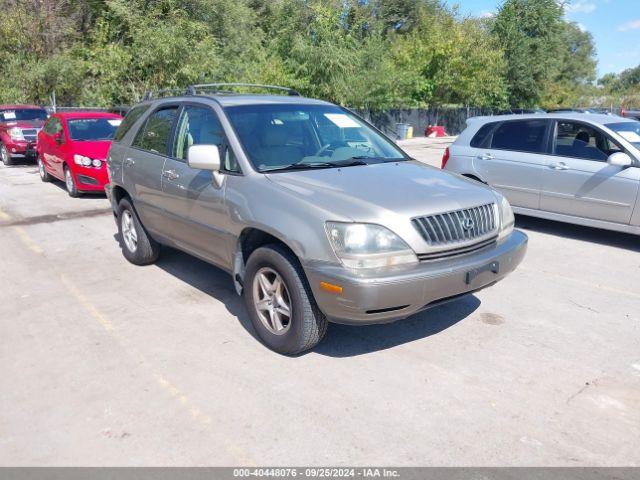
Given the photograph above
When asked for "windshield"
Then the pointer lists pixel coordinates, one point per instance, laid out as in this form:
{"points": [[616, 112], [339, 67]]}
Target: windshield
{"points": [[23, 114], [630, 131], [278, 137], [93, 129]]}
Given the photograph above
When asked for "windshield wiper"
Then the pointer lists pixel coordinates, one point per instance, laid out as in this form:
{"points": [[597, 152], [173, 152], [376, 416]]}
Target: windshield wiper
{"points": [[350, 162]]}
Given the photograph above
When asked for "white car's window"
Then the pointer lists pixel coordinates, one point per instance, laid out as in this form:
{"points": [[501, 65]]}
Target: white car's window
{"points": [[630, 131], [577, 140], [521, 136]]}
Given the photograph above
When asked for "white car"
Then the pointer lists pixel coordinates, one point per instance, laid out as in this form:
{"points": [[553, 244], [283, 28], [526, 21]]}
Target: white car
{"points": [[571, 167]]}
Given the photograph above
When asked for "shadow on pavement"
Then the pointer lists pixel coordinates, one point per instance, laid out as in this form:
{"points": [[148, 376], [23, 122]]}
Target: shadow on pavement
{"points": [[578, 232], [341, 340]]}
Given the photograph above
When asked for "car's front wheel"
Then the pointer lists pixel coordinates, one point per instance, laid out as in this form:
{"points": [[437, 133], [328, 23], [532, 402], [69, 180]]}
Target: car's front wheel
{"points": [[44, 175], [279, 301], [70, 183], [5, 156], [137, 245]]}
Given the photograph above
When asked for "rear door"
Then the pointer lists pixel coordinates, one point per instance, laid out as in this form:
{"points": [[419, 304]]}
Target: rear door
{"points": [[511, 158], [143, 163], [579, 181], [194, 203]]}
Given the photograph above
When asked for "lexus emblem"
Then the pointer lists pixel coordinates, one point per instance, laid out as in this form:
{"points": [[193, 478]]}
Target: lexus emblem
{"points": [[468, 223]]}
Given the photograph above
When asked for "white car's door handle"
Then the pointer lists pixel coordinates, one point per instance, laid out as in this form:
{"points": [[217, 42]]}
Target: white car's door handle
{"points": [[485, 156], [559, 166]]}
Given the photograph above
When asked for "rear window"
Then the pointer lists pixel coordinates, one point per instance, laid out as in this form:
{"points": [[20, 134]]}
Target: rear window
{"points": [[521, 136], [134, 114], [479, 140]]}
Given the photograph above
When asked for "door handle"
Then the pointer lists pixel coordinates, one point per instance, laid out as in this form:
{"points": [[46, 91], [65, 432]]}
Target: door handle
{"points": [[129, 161], [559, 166], [170, 174], [485, 156]]}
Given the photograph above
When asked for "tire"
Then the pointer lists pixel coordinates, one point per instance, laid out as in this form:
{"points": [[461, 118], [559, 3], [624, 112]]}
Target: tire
{"points": [[70, 183], [44, 175], [5, 156], [306, 325], [142, 250]]}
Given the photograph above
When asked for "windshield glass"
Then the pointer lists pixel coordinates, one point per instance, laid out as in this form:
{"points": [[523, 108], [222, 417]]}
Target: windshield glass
{"points": [[23, 114], [93, 129], [278, 136], [630, 131]]}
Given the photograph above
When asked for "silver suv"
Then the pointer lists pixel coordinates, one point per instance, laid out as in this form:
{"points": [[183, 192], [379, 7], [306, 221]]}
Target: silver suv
{"points": [[315, 214]]}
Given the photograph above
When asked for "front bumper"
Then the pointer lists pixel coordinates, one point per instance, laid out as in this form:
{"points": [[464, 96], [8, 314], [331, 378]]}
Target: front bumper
{"points": [[20, 149], [384, 296]]}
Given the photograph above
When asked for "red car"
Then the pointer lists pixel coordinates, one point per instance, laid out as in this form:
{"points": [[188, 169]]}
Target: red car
{"points": [[73, 147], [19, 126]]}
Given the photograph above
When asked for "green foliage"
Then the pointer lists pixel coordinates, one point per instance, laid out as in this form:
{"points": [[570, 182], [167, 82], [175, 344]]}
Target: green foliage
{"points": [[376, 54]]}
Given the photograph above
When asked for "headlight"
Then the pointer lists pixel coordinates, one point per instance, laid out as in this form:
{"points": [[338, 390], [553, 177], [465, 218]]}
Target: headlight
{"points": [[507, 220], [82, 160], [365, 245], [96, 163], [16, 133]]}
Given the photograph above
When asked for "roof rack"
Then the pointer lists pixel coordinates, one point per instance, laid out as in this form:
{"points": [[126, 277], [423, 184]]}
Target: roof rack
{"points": [[221, 87]]}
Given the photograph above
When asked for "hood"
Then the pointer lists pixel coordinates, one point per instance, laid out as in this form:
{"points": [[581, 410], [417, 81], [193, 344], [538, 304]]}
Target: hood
{"points": [[92, 149], [370, 193]]}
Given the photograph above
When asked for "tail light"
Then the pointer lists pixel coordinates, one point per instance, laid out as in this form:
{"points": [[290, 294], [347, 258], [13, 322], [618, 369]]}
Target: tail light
{"points": [[445, 158]]}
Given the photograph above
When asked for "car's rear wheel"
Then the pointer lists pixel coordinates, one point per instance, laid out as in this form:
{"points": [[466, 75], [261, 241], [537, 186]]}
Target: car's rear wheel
{"points": [[137, 245], [70, 183], [5, 156], [44, 175], [279, 301]]}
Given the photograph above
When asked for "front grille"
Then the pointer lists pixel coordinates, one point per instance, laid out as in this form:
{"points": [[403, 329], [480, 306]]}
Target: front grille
{"points": [[458, 226], [30, 134]]}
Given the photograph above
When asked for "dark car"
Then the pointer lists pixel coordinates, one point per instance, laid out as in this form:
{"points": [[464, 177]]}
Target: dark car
{"points": [[19, 127]]}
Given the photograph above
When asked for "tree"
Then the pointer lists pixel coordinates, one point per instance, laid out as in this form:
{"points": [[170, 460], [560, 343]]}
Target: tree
{"points": [[530, 33]]}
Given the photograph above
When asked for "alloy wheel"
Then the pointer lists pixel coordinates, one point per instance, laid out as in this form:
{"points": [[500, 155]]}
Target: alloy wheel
{"points": [[272, 301], [129, 233], [68, 180]]}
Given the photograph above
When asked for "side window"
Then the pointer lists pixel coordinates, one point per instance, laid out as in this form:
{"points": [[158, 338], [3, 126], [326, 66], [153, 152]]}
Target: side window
{"points": [[479, 140], [130, 118], [48, 126], [200, 126], [154, 135], [579, 140], [521, 136]]}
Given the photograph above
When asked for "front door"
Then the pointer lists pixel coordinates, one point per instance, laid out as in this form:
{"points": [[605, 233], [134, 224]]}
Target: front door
{"points": [[579, 181], [195, 203], [513, 160]]}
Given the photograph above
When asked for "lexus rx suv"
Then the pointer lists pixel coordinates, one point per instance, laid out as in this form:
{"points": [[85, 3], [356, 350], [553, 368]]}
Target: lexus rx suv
{"points": [[314, 213]]}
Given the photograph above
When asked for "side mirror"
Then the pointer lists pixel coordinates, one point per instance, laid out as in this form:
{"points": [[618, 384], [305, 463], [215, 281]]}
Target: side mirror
{"points": [[204, 157], [58, 137], [620, 159]]}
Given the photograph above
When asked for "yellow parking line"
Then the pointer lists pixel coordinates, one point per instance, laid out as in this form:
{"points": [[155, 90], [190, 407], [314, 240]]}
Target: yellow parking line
{"points": [[597, 286], [28, 241], [185, 403]]}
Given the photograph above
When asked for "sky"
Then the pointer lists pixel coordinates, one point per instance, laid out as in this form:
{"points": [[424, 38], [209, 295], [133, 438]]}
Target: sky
{"points": [[614, 24]]}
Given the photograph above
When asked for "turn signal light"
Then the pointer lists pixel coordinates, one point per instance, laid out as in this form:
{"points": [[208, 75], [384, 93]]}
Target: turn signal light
{"points": [[329, 287]]}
